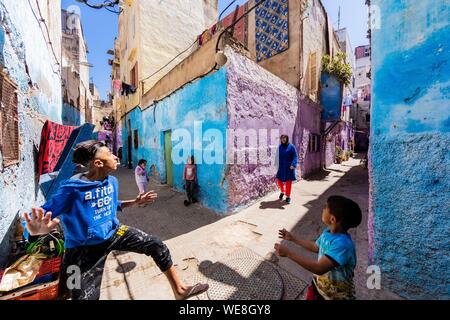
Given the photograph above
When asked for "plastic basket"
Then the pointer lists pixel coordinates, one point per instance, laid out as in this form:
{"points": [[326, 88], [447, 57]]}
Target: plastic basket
{"points": [[47, 291], [49, 266]]}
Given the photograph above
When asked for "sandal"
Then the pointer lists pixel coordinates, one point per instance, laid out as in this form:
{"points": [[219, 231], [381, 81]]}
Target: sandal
{"points": [[195, 290]]}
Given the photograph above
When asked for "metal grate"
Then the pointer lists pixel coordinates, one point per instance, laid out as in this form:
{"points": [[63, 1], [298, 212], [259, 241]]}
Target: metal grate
{"points": [[244, 279], [9, 121]]}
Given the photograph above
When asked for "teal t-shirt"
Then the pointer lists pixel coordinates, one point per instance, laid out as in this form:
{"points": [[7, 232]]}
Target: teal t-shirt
{"points": [[338, 282]]}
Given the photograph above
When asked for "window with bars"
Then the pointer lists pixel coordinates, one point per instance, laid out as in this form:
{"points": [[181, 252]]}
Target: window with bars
{"points": [[9, 121], [314, 143]]}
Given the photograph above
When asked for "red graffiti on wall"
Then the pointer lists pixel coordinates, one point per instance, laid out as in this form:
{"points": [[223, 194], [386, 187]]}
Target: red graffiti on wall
{"points": [[54, 138]]}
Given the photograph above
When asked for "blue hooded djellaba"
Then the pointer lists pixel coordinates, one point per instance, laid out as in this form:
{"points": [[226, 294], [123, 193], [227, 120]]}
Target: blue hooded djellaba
{"points": [[287, 157]]}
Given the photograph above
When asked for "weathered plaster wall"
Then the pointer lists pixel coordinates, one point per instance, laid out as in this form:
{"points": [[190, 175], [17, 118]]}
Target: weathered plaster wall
{"points": [[204, 102], [75, 58], [259, 100], [29, 47], [285, 65], [330, 151], [28, 61], [256, 100], [307, 123], [199, 62], [130, 44], [71, 116], [243, 98], [170, 27], [410, 158]]}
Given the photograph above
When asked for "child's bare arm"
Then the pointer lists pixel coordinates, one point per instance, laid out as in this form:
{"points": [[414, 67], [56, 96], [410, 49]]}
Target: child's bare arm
{"points": [[307, 244], [141, 199], [322, 266]]}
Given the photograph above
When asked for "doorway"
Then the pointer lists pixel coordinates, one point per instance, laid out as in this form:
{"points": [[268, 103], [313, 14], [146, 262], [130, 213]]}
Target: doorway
{"points": [[130, 142], [168, 156]]}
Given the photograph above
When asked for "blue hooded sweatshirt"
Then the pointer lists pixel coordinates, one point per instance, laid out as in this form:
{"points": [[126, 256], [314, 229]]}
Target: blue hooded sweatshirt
{"points": [[87, 210], [286, 156]]}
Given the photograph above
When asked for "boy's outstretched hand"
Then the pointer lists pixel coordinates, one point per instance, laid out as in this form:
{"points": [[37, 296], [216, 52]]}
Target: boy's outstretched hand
{"points": [[285, 235], [281, 250], [148, 197], [38, 223]]}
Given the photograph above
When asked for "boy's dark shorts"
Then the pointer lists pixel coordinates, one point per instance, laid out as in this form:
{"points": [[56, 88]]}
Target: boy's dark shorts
{"points": [[90, 261]]}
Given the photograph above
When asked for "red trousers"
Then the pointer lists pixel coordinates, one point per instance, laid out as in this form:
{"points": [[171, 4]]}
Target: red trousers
{"points": [[287, 190]]}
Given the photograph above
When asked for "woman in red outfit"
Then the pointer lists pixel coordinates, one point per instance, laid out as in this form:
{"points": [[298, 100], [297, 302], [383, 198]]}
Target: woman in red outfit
{"points": [[287, 162]]}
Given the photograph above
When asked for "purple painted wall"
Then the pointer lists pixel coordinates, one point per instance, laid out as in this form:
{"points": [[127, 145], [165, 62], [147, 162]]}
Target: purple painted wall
{"points": [[308, 122], [330, 151], [330, 145], [257, 99]]}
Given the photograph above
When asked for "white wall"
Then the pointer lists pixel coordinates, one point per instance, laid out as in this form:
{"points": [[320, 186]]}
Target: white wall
{"points": [[167, 28], [362, 67]]}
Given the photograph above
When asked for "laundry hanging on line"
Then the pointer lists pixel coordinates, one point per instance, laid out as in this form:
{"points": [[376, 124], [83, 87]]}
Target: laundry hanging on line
{"points": [[128, 89], [117, 84], [53, 141]]}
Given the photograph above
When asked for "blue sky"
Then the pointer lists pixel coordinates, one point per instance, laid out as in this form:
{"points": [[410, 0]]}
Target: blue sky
{"points": [[100, 29]]}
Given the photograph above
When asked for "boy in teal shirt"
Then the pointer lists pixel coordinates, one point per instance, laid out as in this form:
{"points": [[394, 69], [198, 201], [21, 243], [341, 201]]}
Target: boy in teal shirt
{"points": [[333, 270]]}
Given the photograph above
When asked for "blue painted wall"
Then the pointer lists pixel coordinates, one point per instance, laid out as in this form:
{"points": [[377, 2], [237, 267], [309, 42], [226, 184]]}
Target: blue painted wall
{"points": [[409, 227], [202, 101], [27, 60], [330, 97], [71, 116]]}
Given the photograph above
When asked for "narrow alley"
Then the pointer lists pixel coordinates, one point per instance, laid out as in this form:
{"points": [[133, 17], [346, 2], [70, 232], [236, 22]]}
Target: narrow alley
{"points": [[224, 150], [199, 239]]}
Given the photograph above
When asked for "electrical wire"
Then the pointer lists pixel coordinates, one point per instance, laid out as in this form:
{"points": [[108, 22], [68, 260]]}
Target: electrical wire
{"points": [[223, 11], [105, 5], [155, 102], [217, 49], [237, 20], [179, 54], [42, 20], [48, 32]]}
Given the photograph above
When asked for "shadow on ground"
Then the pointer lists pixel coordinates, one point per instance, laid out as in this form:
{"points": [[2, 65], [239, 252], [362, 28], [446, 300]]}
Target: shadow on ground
{"points": [[276, 204], [169, 206], [354, 185]]}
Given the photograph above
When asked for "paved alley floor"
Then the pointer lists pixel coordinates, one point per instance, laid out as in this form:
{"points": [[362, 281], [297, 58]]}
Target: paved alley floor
{"points": [[234, 253]]}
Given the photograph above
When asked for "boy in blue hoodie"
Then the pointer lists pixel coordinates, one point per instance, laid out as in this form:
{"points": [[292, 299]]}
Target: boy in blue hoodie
{"points": [[87, 205]]}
